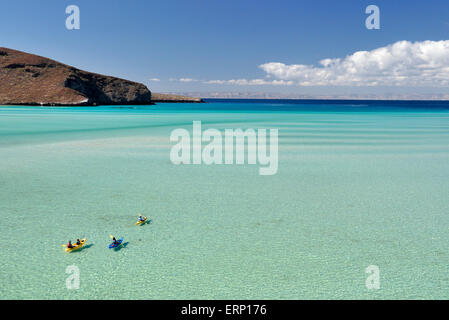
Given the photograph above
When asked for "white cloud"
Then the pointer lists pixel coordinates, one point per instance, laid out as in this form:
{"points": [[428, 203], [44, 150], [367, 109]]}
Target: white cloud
{"points": [[403, 63], [187, 80], [155, 79], [253, 82], [183, 80]]}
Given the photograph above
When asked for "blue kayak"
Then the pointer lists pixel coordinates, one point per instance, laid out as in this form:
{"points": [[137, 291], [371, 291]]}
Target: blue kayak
{"points": [[115, 245]]}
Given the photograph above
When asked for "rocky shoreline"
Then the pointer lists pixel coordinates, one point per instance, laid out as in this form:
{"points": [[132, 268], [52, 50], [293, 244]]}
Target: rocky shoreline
{"points": [[31, 80]]}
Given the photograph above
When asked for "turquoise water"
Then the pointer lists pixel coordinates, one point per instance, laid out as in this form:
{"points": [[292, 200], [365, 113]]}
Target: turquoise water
{"points": [[357, 185]]}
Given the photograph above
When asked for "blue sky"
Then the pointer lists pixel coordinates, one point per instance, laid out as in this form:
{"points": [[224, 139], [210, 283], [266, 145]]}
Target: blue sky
{"points": [[222, 40]]}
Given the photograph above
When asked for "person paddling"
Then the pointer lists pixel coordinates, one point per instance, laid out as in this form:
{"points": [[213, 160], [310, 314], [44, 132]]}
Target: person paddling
{"points": [[78, 242], [69, 245], [114, 241]]}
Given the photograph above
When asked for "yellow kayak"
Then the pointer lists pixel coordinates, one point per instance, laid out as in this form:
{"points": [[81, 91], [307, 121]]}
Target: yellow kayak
{"points": [[138, 223], [75, 247]]}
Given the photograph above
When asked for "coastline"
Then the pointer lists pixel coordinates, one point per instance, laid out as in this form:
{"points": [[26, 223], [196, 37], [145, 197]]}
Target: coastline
{"points": [[174, 98]]}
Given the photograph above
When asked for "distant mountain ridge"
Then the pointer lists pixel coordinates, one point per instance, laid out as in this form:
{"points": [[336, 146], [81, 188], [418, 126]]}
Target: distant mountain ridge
{"points": [[27, 79], [166, 97], [299, 96]]}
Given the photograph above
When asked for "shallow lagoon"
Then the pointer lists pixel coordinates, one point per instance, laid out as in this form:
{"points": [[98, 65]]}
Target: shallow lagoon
{"points": [[357, 185]]}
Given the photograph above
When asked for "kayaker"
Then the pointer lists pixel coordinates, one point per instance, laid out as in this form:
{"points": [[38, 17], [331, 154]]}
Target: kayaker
{"points": [[78, 242], [114, 241], [69, 245], [141, 218]]}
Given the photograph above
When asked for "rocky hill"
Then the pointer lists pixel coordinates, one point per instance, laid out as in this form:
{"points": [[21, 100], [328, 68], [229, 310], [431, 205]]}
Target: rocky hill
{"points": [[27, 79]]}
